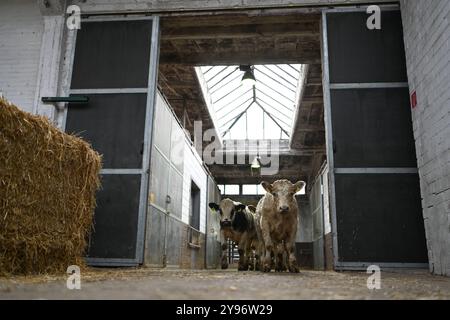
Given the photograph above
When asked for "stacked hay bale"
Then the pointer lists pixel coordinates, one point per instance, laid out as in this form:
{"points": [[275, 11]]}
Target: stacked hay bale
{"points": [[48, 181]]}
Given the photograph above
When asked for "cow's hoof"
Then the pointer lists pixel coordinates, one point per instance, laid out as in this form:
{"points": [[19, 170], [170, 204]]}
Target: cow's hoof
{"points": [[280, 268], [266, 268], [242, 267], [224, 266], [294, 269]]}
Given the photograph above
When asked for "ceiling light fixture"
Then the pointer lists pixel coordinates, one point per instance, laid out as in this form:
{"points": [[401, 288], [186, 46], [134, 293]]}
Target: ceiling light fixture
{"points": [[248, 80], [256, 166]]}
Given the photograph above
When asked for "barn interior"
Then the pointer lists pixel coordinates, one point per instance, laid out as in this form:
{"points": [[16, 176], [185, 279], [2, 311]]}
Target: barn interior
{"points": [[331, 97], [201, 55], [189, 42]]}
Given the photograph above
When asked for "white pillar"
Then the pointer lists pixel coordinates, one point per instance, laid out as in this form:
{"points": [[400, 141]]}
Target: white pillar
{"points": [[49, 65]]}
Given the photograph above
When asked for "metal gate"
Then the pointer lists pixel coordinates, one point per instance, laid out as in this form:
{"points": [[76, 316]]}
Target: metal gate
{"points": [[115, 65], [374, 185]]}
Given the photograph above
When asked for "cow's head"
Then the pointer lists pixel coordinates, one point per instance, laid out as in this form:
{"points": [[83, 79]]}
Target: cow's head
{"points": [[283, 193], [227, 209]]}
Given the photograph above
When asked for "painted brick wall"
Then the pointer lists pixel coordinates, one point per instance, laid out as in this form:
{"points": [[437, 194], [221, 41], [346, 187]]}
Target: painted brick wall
{"points": [[427, 40], [21, 28]]}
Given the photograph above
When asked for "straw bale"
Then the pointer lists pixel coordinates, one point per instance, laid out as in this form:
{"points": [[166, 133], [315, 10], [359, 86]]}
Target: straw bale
{"points": [[48, 181]]}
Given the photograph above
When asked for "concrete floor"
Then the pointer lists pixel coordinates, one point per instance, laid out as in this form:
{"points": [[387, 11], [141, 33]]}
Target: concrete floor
{"points": [[217, 284]]}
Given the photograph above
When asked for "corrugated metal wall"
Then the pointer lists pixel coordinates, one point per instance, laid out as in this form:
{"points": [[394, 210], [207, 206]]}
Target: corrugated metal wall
{"points": [[175, 164], [164, 225]]}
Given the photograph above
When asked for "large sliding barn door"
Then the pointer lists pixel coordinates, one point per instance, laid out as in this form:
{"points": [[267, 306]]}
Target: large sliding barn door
{"points": [[375, 195], [115, 66]]}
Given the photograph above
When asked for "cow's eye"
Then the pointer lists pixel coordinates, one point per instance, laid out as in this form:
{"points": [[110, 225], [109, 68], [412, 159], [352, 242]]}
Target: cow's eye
{"points": [[275, 194]]}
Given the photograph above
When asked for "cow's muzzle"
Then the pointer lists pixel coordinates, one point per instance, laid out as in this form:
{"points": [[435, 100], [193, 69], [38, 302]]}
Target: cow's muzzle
{"points": [[283, 209], [225, 224]]}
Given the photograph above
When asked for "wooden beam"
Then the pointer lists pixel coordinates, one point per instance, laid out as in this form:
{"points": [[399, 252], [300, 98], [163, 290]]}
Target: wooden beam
{"points": [[236, 58], [308, 30], [236, 18], [310, 100], [282, 153]]}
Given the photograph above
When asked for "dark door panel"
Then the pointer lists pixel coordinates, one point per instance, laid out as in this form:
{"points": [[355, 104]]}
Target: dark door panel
{"points": [[380, 134], [380, 218], [360, 55], [116, 217], [112, 54], [114, 124]]}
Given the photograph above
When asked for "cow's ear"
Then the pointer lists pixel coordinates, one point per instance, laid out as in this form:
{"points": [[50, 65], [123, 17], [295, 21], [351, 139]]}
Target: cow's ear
{"points": [[267, 186], [299, 186], [214, 206], [252, 208], [239, 207]]}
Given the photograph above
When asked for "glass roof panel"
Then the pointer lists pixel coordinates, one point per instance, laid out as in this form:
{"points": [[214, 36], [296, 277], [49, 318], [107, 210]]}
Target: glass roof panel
{"points": [[264, 111]]}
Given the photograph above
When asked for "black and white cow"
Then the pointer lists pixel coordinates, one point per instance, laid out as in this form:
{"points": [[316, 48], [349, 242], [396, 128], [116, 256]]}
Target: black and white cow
{"points": [[237, 223]]}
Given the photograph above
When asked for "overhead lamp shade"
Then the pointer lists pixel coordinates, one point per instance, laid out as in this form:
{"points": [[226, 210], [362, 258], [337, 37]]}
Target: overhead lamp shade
{"points": [[256, 164], [248, 80], [255, 167]]}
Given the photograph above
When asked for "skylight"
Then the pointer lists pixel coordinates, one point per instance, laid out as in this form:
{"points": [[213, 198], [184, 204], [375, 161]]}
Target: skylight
{"points": [[265, 111]]}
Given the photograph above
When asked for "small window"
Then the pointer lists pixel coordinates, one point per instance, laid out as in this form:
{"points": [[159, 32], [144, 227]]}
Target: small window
{"points": [[221, 188], [261, 190], [253, 190], [249, 189], [195, 206], [231, 189]]}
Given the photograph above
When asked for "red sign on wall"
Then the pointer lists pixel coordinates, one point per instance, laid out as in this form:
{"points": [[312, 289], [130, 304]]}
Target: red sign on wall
{"points": [[414, 100]]}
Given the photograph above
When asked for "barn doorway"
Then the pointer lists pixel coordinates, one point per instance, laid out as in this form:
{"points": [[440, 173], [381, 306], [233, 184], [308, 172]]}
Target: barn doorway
{"points": [[371, 213], [362, 201]]}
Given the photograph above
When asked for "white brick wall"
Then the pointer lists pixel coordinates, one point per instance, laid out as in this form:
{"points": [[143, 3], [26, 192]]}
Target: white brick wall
{"points": [[21, 28], [427, 40]]}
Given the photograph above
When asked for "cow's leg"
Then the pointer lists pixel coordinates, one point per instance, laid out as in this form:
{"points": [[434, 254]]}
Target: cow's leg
{"points": [[242, 248], [259, 252], [224, 257], [267, 266], [250, 256], [268, 246], [285, 262], [280, 264], [292, 260]]}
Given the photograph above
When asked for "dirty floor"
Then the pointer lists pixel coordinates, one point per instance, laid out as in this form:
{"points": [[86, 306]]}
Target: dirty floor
{"points": [[217, 284]]}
